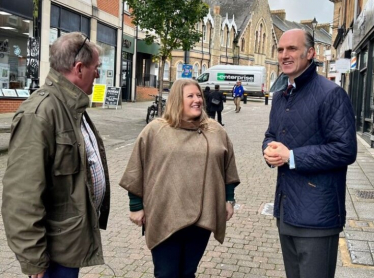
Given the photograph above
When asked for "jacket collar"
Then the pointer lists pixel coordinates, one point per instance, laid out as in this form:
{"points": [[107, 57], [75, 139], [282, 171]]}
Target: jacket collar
{"points": [[306, 76], [68, 92], [194, 125]]}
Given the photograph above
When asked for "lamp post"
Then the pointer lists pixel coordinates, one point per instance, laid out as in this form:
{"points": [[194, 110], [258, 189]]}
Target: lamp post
{"points": [[314, 25]]}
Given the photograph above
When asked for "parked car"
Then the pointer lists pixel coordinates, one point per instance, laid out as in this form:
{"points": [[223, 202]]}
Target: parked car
{"points": [[279, 84]]}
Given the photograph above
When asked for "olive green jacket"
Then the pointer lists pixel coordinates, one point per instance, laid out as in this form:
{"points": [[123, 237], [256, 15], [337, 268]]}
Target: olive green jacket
{"points": [[47, 207]]}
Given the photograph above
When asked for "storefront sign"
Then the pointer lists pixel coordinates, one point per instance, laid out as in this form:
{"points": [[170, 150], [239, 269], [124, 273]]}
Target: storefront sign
{"points": [[112, 96], [22, 8], [363, 24], [98, 93]]}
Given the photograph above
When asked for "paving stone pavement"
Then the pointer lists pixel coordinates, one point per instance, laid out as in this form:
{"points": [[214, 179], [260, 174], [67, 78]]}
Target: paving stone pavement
{"points": [[251, 248]]}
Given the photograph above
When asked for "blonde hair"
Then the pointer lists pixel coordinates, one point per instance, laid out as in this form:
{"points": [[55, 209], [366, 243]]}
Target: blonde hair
{"points": [[174, 106]]}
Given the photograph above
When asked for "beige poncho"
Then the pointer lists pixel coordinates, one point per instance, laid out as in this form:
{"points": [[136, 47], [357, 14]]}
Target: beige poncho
{"points": [[181, 174]]}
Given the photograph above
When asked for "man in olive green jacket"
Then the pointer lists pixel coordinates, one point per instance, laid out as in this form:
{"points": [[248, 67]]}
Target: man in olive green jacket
{"points": [[56, 186]]}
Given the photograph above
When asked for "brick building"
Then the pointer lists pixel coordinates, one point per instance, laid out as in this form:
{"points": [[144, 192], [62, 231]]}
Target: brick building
{"points": [[321, 33], [239, 33]]}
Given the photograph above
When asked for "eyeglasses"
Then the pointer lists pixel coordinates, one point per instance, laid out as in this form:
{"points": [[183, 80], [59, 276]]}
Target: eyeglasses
{"points": [[80, 48]]}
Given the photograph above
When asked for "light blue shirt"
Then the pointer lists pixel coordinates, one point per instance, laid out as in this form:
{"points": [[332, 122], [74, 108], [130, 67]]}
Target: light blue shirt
{"points": [[292, 158]]}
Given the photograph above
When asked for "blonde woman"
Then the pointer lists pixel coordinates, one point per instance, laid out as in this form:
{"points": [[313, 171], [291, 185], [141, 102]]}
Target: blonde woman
{"points": [[181, 178]]}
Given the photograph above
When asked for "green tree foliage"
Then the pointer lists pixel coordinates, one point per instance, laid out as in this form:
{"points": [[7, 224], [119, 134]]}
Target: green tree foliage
{"points": [[172, 21]]}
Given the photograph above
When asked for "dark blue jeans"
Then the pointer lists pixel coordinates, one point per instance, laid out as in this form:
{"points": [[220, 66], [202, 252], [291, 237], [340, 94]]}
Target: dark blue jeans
{"points": [[180, 254], [58, 271]]}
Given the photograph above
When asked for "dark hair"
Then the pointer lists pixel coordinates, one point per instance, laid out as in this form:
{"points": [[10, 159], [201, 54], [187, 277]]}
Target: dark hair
{"points": [[309, 41], [216, 87], [207, 89]]}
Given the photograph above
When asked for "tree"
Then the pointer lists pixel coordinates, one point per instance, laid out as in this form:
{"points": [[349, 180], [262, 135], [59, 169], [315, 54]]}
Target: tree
{"points": [[172, 21]]}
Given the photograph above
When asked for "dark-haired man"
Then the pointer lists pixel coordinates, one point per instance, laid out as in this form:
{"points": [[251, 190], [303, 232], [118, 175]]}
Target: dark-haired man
{"points": [[311, 139]]}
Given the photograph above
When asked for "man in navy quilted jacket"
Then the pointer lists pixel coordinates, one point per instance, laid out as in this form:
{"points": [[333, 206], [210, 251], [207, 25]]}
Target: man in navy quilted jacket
{"points": [[311, 139]]}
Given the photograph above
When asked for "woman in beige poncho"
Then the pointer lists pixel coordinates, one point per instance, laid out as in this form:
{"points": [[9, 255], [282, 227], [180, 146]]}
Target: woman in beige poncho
{"points": [[181, 178]]}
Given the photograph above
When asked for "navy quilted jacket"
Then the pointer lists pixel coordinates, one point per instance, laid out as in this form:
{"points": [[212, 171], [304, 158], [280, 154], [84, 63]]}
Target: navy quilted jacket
{"points": [[317, 122]]}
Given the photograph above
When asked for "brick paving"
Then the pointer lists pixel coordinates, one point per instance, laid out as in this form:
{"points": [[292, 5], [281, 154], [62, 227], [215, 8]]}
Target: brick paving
{"points": [[251, 248]]}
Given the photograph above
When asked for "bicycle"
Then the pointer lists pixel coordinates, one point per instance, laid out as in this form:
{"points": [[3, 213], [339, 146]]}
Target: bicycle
{"points": [[152, 111]]}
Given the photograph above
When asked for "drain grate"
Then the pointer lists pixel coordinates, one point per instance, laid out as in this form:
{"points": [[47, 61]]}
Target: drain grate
{"points": [[365, 194]]}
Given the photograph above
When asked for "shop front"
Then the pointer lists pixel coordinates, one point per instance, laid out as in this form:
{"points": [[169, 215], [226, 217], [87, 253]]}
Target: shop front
{"points": [[15, 30], [361, 88], [127, 58]]}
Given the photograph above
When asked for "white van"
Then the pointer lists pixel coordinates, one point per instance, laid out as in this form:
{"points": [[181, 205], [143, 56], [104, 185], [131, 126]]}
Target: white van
{"points": [[253, 79]]}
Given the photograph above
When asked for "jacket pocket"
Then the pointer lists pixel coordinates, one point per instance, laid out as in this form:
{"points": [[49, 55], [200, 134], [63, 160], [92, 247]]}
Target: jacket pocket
{"points": [[67, 154]]}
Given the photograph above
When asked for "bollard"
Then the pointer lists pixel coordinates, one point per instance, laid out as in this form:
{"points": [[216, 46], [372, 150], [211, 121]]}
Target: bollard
{"points": [[245, 99], [266, 99]]}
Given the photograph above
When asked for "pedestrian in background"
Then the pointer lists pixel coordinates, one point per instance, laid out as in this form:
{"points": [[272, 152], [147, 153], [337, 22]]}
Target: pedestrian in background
{"points": [[181, 178], [311, 139], [206, 96], [56, 186], [215, 104], [237, 92]]}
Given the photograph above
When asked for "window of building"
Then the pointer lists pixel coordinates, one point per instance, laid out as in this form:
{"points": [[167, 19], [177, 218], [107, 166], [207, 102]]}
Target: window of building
{"points": [[204, 33], [107, 39], [196, 70], [14, 40], [166, 71], [126, 7], [272, 79], [66, 21], [203, 69], [256, 41], [317, 49], [222, 38], [263, 43], [243, 45], [179, 70]]}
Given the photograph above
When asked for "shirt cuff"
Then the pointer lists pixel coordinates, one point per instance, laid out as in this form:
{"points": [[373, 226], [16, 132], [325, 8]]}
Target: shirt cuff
{"points": [[292, 160]]}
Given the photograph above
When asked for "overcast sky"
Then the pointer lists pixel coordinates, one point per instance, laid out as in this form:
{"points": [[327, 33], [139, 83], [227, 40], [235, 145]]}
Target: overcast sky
{"points": [[297, 10]]}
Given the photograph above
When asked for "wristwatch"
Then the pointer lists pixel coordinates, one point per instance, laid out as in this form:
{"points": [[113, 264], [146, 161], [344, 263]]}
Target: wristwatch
{"points": [[231, 203]]}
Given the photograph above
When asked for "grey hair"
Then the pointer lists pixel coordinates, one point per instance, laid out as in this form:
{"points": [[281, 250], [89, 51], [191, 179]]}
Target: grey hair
{"points": [[64, 52]]}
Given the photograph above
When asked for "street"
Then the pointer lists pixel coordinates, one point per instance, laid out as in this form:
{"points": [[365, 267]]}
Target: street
{"points": [[251, 247]]}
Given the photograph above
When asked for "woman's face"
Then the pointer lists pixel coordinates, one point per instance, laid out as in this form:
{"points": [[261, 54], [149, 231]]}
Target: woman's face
{"points": [[192, 102]]}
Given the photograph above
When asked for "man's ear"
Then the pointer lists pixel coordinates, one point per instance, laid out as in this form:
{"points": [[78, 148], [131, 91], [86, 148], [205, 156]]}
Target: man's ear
{"points": [[77, 68], [311, 53]]}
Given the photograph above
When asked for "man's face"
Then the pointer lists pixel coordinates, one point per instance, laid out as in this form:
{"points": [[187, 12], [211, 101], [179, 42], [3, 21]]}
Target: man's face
{"points": [[89, 74], [293, 56]]}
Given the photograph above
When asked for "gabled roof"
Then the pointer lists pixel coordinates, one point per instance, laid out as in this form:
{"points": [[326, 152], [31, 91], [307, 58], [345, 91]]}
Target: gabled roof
{"points": [[320, 34], [240, 9]]}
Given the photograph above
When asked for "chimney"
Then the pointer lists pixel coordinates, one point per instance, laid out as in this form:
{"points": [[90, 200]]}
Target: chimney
{"points": [[308, 22], [217, 10], [325, 26], [280, 13]]}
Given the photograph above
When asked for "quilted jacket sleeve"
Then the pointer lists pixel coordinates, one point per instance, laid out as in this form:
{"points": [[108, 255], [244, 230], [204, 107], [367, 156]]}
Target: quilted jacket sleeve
{"points": [[339, 148]]}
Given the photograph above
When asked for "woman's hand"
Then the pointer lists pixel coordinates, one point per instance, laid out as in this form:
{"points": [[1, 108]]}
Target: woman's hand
{"points": [[229, 211], [137, 217]]}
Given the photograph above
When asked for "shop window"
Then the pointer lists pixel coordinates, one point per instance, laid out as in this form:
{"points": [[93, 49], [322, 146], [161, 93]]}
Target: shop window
{"points": [[166, 71], [106, 38], [65, 21], [14, 35]]}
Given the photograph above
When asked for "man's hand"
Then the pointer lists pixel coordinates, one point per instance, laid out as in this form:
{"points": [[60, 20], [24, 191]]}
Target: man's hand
{"points": [[137, 217], [276, 154], [40, 275]]}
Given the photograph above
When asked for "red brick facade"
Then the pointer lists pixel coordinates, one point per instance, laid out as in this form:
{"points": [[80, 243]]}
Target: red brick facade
{"points": [[142, 93], [10, 105], [109, 6]]}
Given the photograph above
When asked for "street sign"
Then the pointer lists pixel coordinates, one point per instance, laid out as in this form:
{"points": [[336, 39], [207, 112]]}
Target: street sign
{"points": [[186, 71]]}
